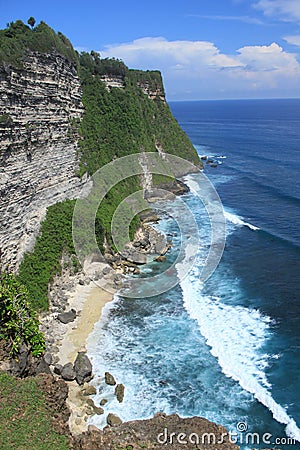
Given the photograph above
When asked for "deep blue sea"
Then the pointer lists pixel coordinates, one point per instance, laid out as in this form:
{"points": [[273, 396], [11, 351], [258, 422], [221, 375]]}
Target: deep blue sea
{"points": [[229, 349]]}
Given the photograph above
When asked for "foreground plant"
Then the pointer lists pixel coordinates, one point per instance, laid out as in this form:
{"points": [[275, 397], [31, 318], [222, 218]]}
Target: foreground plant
{"points": [[18, 321]]}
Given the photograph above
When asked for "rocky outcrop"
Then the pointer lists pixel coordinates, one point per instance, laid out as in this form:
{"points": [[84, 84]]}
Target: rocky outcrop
{"points": [[160, 432], [40, 105], [113, 81], [152, 92], [119, 392], [109, 379]]}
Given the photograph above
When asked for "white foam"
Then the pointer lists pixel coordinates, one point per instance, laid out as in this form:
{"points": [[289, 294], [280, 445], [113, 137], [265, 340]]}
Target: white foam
{"points": [[237, 220], [236, 336]]}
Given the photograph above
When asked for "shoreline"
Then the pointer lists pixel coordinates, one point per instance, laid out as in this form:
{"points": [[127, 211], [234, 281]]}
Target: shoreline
{"points": [[89, 301], [81, 300], [65, 340], [92, 300]]}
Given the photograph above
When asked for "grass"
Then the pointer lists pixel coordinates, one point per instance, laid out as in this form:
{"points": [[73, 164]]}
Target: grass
{"points": [[25, 422]]}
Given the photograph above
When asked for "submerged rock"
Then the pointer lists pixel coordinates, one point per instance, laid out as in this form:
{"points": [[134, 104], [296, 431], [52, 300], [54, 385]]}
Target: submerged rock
{"points": [[109, 379], [89, 390], [119, 392], [160, 258]]}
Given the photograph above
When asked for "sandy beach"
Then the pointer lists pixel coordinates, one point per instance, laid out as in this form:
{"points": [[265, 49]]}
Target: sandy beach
{"points": [[88, 301]]}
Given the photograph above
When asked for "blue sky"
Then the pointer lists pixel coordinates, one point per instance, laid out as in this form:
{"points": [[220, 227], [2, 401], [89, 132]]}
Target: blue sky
{"points": [[205, 49]]}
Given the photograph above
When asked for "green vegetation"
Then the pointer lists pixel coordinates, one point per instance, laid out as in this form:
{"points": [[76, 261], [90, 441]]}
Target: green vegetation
{"points": [[17, 39], [5, 119], [39, 267], [25, 419], [97, 66], [18, 322], [118, 122]]}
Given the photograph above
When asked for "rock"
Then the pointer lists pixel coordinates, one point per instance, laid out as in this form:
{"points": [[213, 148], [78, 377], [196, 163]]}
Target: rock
{"points": [[134, 256], [160, 246], [48, 358], [106, 270], [20, 363], [67, 317], [93, 428], [55, 360], [98, 410], [57, 369], [83, 368], [68, 372], [160, 258], [204, 158], [119, 392], [103, 402], [41, 366], [90, 402], [56, 393], [89, 390], [109, 379], [113, 420], [81, 282]]}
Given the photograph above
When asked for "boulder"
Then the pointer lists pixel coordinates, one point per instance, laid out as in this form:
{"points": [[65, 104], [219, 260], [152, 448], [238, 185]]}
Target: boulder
{"points": [[67, 317], [67, 372], [103, 402], [113, 420], [48, 358], [20, 364], [119, 392], [109, 379], [82, 368], [98, 410], [89, 390], [160, 258], [41, 366], [57, 369]]}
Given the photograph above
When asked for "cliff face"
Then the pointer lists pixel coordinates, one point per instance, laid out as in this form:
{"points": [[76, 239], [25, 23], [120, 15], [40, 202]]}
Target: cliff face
{"points": [[39, 104]]}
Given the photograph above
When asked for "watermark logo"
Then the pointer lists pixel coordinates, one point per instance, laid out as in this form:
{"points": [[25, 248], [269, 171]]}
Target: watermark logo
{"points": [[145, 166], [241, 437]]}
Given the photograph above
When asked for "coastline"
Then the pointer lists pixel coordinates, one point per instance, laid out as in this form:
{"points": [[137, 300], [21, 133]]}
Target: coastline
{"points": [[91, 299], [65, 340]]}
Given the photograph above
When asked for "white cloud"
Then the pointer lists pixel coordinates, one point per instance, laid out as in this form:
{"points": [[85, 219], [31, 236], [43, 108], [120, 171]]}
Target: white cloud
{"points": [[294, 40], [158, 50], [198, 69], [283, 9], [268, 58]]}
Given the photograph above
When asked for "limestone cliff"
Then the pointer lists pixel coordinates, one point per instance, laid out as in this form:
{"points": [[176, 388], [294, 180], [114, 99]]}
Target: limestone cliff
{"points": [[39, 102]]}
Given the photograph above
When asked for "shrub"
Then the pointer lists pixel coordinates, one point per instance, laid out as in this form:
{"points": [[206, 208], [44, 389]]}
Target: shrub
{"points": [[18, 322]]}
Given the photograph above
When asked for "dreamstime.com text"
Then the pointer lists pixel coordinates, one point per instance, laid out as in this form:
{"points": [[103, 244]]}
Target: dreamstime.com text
{"points": [[241, 436]]}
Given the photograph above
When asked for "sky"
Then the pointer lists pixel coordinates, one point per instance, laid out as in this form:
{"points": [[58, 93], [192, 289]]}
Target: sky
{"points": [[205, 49]]}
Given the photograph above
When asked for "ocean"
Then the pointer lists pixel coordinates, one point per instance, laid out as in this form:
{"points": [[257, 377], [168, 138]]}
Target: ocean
{"points": [[227, 349]]}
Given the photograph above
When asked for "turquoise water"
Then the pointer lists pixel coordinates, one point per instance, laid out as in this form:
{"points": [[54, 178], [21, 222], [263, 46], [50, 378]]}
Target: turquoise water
{"points": [[228, 349]]}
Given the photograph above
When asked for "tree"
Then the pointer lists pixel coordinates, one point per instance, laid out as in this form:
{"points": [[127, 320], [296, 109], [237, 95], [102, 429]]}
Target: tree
{"points": [[31, 21]]}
